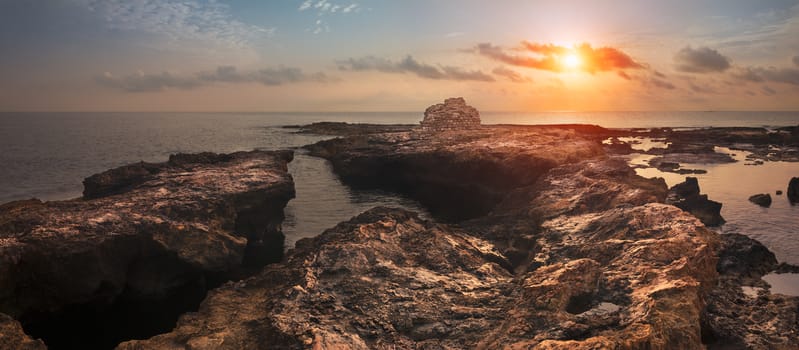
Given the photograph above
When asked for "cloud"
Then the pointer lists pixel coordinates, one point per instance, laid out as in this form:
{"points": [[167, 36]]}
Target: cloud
{"points": [[662, 84], [196, 20], [701, 60], [771, 74], [326, 7], [142, 82], [511, 75], [410, 65], [454, 34], [548, 57], [767, 91]]}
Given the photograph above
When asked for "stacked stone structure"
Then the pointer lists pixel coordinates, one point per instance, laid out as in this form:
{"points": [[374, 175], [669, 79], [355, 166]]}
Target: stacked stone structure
{"points": [[453, 114]]}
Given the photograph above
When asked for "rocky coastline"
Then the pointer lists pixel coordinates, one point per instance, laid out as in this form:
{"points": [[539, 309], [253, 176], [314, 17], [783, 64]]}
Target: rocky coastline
{"points": [[541, 238]]}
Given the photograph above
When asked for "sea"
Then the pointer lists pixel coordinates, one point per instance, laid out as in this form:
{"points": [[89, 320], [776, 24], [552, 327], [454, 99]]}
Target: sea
{"points": [[47, 155]]}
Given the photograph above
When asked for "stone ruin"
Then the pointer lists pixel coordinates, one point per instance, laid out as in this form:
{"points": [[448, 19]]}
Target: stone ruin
{"points": [[453, 114]]}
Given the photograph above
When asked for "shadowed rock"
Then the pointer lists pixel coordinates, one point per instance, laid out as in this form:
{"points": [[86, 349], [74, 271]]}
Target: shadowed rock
{"points": [[583, 235], [762, 199], [13, 337], [734, 320], [685, 195], [793, 190], [143, 249]]}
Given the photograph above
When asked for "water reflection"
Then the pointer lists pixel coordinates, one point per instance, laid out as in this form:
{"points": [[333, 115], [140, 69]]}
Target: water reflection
{"points": [[323, 201], [732, 184]]}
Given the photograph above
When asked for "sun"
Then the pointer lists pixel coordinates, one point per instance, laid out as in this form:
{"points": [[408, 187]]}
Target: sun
{"points": [[571, 61]]}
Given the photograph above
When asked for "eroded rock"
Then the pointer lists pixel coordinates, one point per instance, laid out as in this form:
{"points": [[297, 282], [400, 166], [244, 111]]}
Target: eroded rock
{"points": [[94, 271], [735, 320], [585, 235], [13, 337], [793, 190]]}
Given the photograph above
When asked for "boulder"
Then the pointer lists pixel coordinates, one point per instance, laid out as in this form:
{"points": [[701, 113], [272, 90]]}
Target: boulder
{"points": [[762, 199]]}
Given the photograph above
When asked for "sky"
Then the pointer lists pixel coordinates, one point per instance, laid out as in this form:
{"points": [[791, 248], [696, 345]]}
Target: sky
{"points": [[370, 55]]}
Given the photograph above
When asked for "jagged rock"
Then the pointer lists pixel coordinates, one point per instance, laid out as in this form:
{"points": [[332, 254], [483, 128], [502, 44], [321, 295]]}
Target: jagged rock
{"points": [[762, 199], [734, 320], [793, 190], [585, 234], [686, 196], [13, 337], [383, 279], [453, 114], [190, 224]]}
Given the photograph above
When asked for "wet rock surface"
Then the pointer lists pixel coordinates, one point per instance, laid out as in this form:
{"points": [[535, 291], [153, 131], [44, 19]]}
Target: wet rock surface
{"points": [[143, 247], [580, 257]]}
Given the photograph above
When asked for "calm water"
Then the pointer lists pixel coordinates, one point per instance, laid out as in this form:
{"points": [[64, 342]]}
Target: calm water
{"points": [[46, 155]]}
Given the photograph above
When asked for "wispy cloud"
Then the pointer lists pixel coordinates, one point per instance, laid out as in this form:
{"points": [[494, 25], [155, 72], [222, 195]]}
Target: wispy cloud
{"points": [[326, 7], [511, 75], [411, 65], [788, 75], [179, 20], [143, 82], [454, 34], [548, 57], [701, 60]]}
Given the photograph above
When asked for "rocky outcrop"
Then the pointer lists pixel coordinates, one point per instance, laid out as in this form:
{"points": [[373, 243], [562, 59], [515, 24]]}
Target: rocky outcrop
{"points": [[453, 114], [149, 239], [578, 259], [13, 337], [762, 199], [686, 196], [459, 174], [735, 320], [793, 190]]}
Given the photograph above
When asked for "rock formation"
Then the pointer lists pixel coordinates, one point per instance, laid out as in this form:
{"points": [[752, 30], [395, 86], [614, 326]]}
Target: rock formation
{"points": [[735, 320], [575, 255], [686, 196], [453, 114], [762, 199], [148, 238], [457, 176], [793, 190]]}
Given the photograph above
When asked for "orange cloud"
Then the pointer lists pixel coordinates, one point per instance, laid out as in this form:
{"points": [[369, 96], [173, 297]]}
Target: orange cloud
{"points": [[550, 57]]}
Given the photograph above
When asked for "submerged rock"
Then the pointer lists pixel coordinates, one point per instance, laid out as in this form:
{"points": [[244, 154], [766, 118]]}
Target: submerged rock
{"points": [[762, 199], [685, 196], [140, 244]]}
